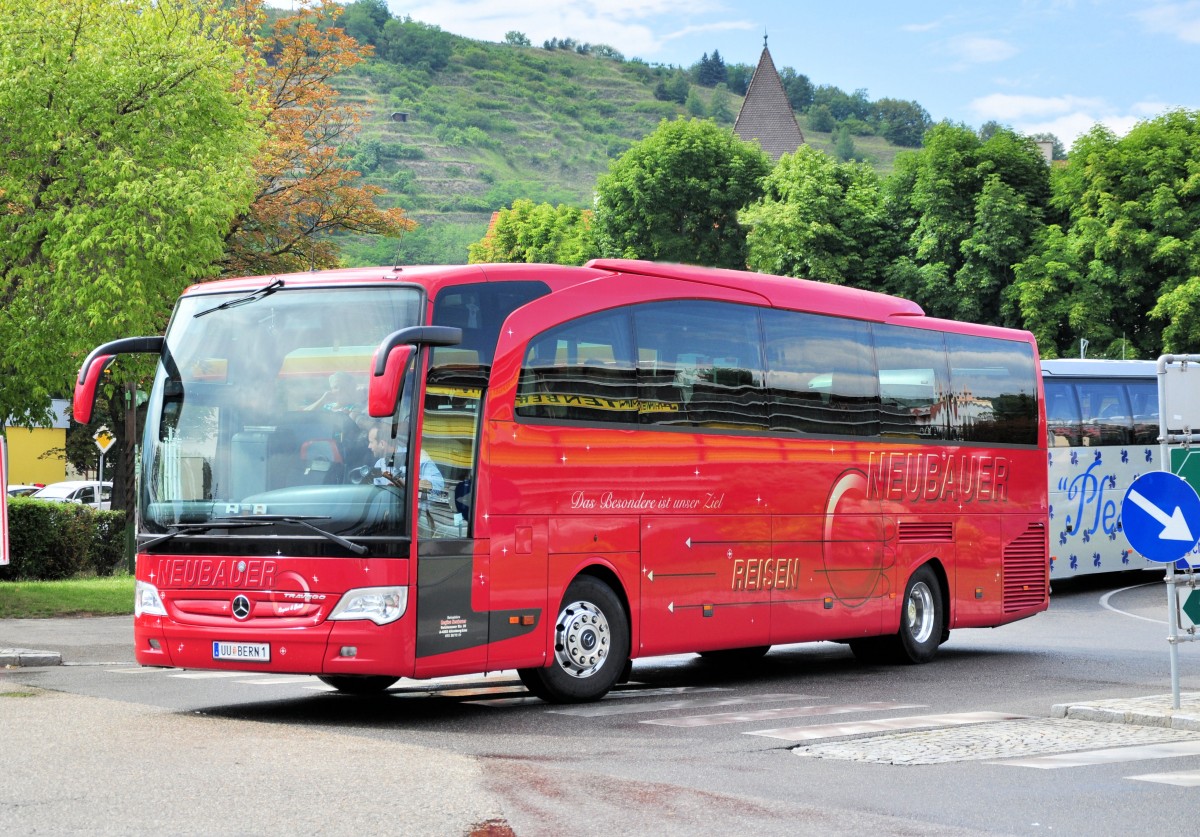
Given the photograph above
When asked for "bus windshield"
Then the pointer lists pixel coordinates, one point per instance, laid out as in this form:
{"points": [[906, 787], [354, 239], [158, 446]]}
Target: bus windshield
{"points": [[257, 418]]}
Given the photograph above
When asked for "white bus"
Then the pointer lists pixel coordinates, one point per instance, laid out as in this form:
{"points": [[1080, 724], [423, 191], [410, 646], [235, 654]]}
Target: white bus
{"points": [[1102, 421]]}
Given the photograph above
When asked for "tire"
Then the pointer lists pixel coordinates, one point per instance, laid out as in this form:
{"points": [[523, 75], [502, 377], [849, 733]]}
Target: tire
{"points": [[591, 646], [922, 626], [735, 656], [358, 684]]}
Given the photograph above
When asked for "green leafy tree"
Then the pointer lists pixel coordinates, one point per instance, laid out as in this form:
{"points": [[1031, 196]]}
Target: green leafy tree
{"points": [[127, 147], [843, 144], [901, 123], [821, 219], [675, 195], [540, 233], [515, 38], [820, 118], [363, 20], [799, 89], [720, 109], [1130, 214], [938, 199]]}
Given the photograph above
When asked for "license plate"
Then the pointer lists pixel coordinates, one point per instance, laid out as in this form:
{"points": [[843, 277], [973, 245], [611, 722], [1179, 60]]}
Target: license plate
{"points": [[246, 652]]}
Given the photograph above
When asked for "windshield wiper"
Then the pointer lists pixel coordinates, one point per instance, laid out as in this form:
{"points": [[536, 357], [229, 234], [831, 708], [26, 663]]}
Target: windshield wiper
{"points": [[259, 520], [253, 296], [180, 528]]}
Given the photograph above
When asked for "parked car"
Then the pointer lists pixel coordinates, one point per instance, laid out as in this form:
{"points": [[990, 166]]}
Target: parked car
{"points": [[22, 490], [76, 491]]}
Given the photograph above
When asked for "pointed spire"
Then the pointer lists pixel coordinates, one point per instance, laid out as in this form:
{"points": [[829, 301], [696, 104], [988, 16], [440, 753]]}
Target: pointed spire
{"points": [[766, 113]]}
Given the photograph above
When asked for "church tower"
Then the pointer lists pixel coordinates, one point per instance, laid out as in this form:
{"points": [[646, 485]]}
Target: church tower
{"points": [[766, 114]]}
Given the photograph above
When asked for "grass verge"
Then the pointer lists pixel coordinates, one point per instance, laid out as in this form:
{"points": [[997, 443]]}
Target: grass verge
{"points": [[109, 596]]}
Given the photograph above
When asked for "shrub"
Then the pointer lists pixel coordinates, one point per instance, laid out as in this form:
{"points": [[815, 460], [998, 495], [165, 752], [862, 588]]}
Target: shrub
{"points": [[60, 540]]}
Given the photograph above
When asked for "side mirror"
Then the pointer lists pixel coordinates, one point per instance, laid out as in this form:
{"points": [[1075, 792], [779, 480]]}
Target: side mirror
{"points": [[99, 360], [392, 359], [383, 390]]}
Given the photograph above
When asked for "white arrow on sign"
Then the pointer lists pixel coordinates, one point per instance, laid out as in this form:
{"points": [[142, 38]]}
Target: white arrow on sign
{"points": [[1175, 528]]}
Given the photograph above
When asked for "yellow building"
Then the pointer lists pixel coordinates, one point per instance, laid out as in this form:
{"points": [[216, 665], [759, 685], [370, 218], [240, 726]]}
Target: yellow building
{"points": [[38, 454]]}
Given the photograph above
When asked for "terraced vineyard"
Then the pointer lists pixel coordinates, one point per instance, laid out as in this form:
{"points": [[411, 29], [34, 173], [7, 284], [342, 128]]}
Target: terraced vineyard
{"points": [[497, 123]]}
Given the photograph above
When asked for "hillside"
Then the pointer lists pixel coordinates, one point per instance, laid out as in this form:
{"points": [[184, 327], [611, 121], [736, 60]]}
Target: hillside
{"points": [[454, 138]]}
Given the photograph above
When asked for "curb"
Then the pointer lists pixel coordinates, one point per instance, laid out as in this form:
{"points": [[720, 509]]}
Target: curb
{"points": [[25, 658], [1162, 715]]}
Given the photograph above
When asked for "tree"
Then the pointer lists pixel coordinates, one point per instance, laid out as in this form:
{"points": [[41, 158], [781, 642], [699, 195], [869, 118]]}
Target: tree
{"points": [[1129, 247], [820, 219], [127, 146], [901, 123], [304, 190], [711, 71], [515, 38], [537, 233], [843, 144], [364, 20], [821, 119], [938, 201], [798, 88], [675, 195]]}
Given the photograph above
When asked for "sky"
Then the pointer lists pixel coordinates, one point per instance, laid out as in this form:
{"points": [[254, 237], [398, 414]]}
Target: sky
{"points": [[1060, 66]]}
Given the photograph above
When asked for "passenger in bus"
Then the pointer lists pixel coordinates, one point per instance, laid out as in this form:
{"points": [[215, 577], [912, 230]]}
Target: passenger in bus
{"points": [[343, 396]]}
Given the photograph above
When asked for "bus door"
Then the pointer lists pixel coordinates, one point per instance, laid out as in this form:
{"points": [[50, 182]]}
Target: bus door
{"points": [[451, 596]]}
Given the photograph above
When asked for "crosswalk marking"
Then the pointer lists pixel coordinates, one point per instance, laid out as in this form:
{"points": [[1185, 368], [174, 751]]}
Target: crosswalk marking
{"points": [[1184, 778], [611, 696], [1109, 755], [779, 713], [602, 709], [813, 733]]}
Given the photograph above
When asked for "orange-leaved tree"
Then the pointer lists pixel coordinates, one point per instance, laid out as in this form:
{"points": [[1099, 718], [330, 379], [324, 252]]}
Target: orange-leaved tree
{"points": [[305, 190]]}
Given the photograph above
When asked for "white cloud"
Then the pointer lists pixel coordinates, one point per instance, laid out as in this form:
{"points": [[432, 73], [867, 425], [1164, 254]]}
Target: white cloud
{"points": [[635, 27], [971, 49], [1179, 19], [1064, 116], [1005, 107]]}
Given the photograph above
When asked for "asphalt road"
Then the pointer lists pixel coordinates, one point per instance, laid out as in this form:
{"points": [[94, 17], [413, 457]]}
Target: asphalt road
{"points": [[98, 745]]}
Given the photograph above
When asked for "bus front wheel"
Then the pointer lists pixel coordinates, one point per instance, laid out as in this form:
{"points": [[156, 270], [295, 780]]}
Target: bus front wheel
{"points": [[358, 684], [591, 646], [922, 626]]}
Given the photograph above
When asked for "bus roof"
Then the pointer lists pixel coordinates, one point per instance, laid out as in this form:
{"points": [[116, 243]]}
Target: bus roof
{"points": [[777, 291], [1080, 368], [780, 291], [431, 277]]}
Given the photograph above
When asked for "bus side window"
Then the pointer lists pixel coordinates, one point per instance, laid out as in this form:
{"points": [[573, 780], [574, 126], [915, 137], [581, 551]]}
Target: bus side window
{"points": [[1143, 396], [1106, 414], [580, 371], [1062, 415], [821, 375]]}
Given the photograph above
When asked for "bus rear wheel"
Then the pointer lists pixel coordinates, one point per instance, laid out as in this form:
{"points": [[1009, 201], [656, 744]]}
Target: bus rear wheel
{"points": [[922, 626], [591, 646], [358, 684]]}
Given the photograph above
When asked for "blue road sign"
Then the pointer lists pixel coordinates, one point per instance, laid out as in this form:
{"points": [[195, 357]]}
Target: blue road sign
{"points": [[1161, 516]]}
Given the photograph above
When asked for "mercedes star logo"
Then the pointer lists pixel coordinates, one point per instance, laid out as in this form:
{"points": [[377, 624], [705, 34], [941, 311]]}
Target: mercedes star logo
{"points": [[241, 607]]}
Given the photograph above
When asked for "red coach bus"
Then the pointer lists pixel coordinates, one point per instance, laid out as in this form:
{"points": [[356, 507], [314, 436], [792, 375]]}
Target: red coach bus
{"points": [[613, 461]]}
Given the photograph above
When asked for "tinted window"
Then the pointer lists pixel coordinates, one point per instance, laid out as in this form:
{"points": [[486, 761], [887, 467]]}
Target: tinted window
{"points": [[993, 390], [1143, 399], [821, 375], [700, 365], [582, 370], [1107, 418], [913, 383], [1062, 415], [480, 309]]}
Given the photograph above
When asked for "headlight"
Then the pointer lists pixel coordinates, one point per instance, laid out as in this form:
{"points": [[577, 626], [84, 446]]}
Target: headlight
{"points": [[379, 604], [146, 600]]}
